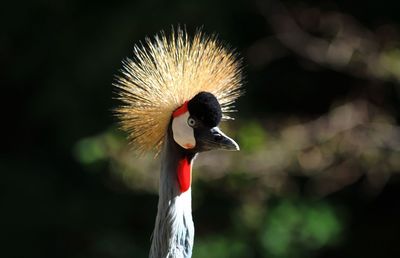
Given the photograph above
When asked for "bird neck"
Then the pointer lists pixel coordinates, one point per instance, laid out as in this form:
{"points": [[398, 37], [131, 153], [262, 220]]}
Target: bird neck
{"points": [[174, 230]]}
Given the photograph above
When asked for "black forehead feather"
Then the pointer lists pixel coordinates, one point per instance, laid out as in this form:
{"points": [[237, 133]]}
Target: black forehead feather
{"points": [[205, 107]]}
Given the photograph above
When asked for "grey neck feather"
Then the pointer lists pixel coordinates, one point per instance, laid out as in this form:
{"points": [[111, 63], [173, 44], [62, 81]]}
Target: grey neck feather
{"points": [[174, 230]]}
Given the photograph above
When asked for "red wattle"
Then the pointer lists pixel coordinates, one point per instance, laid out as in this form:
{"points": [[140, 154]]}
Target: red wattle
{"points": [[181, 110], [184, 174]]}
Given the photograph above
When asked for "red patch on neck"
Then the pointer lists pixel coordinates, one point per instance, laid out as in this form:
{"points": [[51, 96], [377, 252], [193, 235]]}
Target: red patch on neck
{"points": [[181, 110], [184, 174]]}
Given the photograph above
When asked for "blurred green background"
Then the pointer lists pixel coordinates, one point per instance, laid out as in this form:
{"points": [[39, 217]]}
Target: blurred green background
{"points": [[318, 174]]}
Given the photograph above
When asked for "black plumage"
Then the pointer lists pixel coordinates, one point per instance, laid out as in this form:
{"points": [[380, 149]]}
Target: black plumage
{"points": [[206, 108]]}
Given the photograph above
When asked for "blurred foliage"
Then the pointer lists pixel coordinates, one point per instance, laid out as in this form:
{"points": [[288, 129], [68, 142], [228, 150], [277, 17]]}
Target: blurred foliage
{"points": [[96, 148], [318, 170], [252, 137], [294, 228], [219, 247]]}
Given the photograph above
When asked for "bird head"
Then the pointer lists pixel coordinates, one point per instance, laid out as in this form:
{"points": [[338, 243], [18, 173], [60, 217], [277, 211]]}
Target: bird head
{"points": [[195, 125], [182, 84]]}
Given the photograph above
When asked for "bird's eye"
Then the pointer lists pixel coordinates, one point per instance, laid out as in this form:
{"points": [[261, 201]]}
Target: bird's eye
{"points": [[191, 122]]}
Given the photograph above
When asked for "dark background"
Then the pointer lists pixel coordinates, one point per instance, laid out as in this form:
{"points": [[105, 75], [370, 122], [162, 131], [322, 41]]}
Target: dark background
{"points": [[62, 195]]}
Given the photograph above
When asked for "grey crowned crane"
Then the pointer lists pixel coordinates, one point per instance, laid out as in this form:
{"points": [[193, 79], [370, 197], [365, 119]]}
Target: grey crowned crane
{"points": [[174, 94]]}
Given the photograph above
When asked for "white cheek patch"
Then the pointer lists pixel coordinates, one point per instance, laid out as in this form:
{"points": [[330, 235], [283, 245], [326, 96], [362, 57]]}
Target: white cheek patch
{"points": [[183, 134]]}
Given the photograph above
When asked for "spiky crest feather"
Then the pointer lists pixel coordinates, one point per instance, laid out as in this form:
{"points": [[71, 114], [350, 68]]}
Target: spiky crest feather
{"points": [[164, 74]]}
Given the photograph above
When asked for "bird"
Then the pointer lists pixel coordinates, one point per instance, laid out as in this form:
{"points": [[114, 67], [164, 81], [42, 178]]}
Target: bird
{"points": [[174, 93]]}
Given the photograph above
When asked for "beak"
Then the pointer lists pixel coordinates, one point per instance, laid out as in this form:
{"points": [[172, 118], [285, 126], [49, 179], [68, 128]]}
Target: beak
{"points": [[215, 139]]}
